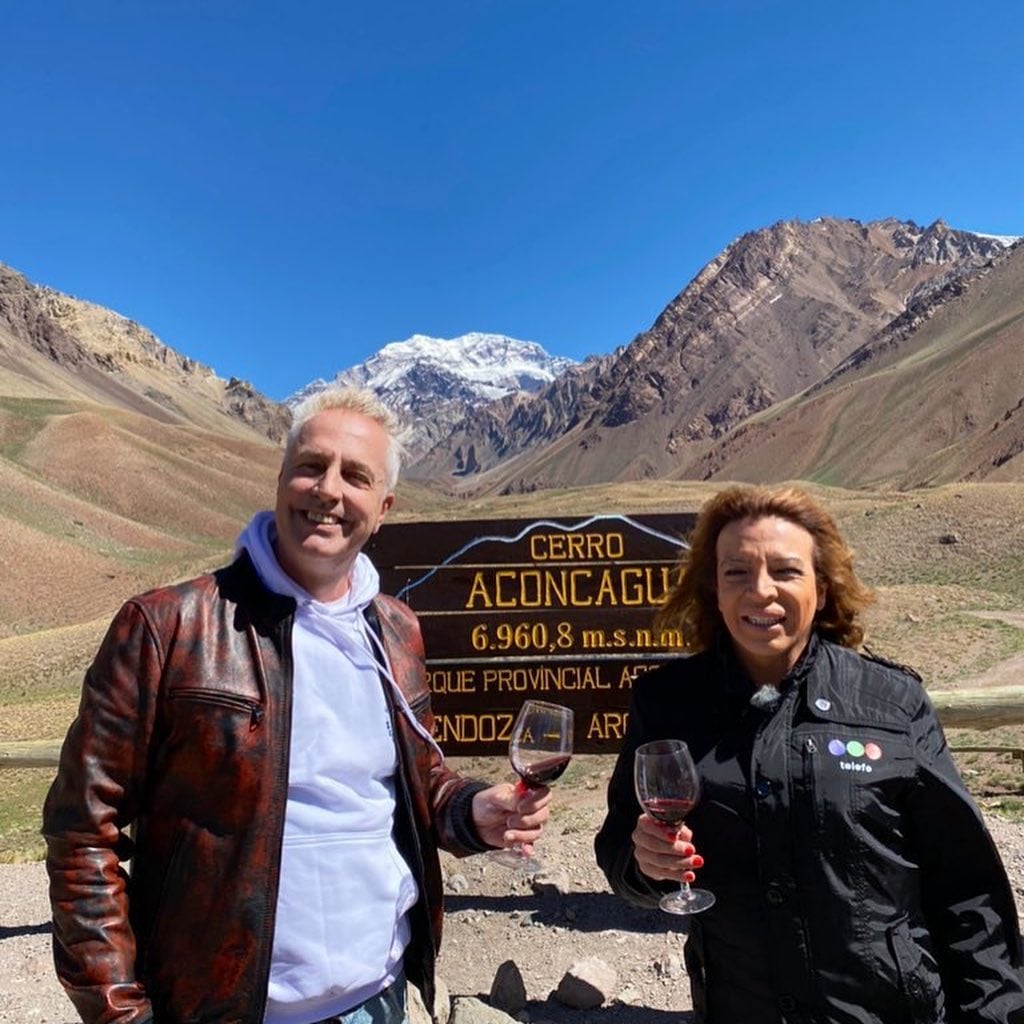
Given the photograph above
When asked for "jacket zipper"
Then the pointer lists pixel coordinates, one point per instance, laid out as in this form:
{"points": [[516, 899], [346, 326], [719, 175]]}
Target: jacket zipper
{"points": [[203, 696], [419, 871], [810, 774], [268, 914]]}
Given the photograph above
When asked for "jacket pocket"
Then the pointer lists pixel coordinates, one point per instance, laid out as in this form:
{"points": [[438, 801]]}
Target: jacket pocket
{"points": [[917, 974], [809, 753], [209, 735], [219, 698]]}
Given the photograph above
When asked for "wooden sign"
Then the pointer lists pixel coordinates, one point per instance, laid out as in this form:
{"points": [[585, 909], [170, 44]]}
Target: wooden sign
{"points": [[555, 609]]}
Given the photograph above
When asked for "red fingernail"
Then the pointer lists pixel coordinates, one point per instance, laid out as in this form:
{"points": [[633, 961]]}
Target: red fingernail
{"points": [[697, 861], [688, 850], [689, 876]]}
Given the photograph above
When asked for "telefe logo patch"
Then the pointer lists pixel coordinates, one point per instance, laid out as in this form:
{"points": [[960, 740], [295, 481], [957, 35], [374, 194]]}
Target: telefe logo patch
{"points": [[855, 749]]}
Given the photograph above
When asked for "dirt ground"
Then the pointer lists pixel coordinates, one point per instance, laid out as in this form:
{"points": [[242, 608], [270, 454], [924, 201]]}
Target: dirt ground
{"points": [[493, 914]]}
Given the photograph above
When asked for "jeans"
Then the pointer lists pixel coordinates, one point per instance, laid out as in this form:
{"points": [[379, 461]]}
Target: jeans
{"points": [[387, 1007]]}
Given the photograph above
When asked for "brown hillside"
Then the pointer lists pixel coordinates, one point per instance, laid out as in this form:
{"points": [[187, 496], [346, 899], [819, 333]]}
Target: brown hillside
{"points": [[944, 403], [123, 464], [148, 474], [98, 503]]}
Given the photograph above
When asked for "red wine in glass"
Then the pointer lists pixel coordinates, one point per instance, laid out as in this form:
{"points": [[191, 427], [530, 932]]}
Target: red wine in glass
{"points": [[541, 772], [539, 752], [668, 788], [667, 810]]}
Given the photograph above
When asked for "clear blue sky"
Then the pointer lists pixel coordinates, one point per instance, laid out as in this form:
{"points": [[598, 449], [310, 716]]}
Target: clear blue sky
{"points": [[279, 189]]}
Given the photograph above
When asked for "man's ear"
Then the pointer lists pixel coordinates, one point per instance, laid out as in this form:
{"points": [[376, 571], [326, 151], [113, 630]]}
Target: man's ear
{"points": [[385, 506]]}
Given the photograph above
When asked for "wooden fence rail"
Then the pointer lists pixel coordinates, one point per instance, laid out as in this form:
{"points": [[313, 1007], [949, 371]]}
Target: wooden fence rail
{"points": [[30, 754], [957, 709], [979, 709]]}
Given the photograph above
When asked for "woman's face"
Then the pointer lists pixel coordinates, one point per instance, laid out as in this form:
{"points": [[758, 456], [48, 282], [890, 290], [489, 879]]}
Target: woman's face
{"points": [[768, 594]]}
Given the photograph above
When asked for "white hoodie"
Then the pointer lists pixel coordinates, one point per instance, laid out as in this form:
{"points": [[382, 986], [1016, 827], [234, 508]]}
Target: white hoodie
{"points": [[344, 889]]}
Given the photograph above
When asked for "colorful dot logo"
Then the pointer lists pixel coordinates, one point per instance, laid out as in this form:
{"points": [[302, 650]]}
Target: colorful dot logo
{"points": [[854, 748]]}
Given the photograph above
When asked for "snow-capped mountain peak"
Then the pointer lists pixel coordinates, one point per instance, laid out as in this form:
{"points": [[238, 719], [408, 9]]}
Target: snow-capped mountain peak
{"points": [[491, 365], [432, 382]]}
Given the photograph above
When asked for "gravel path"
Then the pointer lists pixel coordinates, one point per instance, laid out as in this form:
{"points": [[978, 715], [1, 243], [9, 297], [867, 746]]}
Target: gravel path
{"points": [[29, 992], [493, 915]]}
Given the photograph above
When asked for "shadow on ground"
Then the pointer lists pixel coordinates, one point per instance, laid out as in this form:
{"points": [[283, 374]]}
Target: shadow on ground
{"points": [[553, 1012], [581, 911], [12, 932]]}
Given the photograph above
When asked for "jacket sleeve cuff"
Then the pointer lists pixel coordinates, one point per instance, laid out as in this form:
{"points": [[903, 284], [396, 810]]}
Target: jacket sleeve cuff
{"points": [[461, 811]]}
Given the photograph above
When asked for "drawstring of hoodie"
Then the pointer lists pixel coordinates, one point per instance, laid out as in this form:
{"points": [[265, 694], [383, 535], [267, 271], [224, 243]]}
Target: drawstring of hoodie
{"points": [[377, 646]]}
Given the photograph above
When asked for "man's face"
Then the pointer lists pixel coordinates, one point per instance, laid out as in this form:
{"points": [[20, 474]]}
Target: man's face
{"points": [[332, 496], [768, 593]]}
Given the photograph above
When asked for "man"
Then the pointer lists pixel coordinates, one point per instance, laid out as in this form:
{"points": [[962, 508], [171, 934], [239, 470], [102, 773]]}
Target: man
{"points": [[264, 733]]}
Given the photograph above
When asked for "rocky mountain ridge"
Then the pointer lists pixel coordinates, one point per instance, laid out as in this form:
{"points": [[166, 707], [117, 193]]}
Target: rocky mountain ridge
{"points": [[776, 312], [785, 317], [55, 346], [937, 396]]}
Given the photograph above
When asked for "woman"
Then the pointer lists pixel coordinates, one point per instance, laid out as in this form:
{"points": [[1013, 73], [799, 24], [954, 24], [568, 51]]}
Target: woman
{"points": [[854, 877]]}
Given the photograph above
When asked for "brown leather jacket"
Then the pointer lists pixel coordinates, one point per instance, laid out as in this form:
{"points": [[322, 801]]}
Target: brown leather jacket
{"points": [[182, 737]]}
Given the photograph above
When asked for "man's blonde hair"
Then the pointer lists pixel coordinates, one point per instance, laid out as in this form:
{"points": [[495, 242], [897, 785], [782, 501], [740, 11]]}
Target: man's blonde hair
{"points": [[358, 400]]}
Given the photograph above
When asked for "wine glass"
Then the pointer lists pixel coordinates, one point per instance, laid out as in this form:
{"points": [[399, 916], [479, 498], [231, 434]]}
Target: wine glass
{"points": [[668, 787], [539, 751]]}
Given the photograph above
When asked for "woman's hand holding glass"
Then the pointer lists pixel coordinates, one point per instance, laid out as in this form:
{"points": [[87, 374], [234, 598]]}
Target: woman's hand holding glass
{"points": [[667, 788], [664, 853]]}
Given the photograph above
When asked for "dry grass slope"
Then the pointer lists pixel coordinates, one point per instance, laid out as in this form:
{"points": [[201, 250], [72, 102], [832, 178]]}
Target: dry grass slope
{"points": [[96, 503]]}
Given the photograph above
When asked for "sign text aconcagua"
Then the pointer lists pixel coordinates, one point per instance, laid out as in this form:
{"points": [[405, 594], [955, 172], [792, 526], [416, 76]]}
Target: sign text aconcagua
{"points": [[555, 609]]}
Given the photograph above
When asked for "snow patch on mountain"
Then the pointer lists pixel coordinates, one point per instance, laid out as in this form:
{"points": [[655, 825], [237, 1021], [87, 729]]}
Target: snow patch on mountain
{"points": [[1005, 240]]}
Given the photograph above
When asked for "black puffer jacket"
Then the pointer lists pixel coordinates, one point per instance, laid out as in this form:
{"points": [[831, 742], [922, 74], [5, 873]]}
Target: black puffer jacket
{"points": [[854, 876]]}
